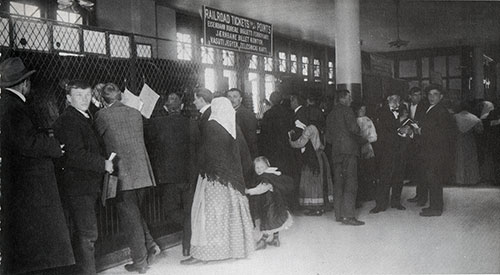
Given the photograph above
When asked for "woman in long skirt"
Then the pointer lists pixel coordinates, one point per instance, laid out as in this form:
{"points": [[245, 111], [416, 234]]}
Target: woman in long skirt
{"points": [[221, 222]]}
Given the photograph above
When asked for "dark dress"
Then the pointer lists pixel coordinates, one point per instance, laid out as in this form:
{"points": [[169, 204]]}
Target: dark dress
{"points": [[274, 208], [36, 236]]}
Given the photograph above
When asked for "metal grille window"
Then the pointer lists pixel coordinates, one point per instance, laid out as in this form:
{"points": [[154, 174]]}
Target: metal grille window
{"points": [[144, 50], [293, 63], [254, 61], [4, 32], [184, 49], [268, 64], [66, 38], [282, 61], [94, 42], [227, 58], [24, 9], [31, 35], [305, 65], [119, 46], [316, 68]]}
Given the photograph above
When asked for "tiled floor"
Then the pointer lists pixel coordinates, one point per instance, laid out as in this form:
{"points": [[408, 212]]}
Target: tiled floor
{"points": [[465, 239]]}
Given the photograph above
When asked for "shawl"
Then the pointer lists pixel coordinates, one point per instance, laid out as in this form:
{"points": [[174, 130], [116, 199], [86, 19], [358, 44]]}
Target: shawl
{"points": [[368, 130], [466, 121], [224, 113], [222, 157]]}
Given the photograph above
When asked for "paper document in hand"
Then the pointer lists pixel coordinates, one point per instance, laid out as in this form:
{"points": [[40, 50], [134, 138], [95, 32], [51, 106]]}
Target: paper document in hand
{"points": [[149, 97], [132, 100]]}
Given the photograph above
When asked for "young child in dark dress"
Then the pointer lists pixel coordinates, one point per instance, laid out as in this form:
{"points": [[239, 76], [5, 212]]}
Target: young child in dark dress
{"points": [[270, 189]]}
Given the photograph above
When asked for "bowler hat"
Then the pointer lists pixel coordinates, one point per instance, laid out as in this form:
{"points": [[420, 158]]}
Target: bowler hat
{"points": [[13, 71]]}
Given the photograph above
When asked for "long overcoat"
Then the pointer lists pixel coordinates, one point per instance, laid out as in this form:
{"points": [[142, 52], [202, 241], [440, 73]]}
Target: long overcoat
{"points": [[122, 130], [36, 235]]}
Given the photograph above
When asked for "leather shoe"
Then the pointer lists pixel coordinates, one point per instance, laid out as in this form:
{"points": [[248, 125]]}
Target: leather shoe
{"points": [[352, 221], [191, 261], [152, 253], [135, 268], [431, 213], [261, 244], [414, 199], [377, 209], [398, 207], [275, 241], [186, 252]]}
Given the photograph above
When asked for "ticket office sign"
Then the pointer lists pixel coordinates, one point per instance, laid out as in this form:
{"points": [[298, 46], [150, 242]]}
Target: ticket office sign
{"points": [[234, 32]]}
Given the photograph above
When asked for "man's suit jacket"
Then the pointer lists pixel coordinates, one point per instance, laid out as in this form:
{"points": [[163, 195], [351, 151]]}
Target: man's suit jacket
{"points": [[436, 143], [31, 206], [342, 131], [122, 131], [390, 147], [168, 143], [245, 118], [83, 162]]}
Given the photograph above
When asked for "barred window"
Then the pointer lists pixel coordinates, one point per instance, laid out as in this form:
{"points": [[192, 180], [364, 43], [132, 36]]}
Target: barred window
{"points": [[227, 58], [316, 68], [305, 65], [293, 63], [69, 17], [268, 64], [184, 50], [282, 61], [24, 9]]}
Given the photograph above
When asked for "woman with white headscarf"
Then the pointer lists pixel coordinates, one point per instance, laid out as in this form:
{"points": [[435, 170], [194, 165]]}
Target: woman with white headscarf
{"points": [[221, 222]]}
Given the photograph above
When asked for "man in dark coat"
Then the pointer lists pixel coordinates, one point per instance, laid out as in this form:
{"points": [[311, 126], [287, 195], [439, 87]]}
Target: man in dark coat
{"points": [[388, 149], [273, 137], [414, 165], [343, 133], [83, 169], [246, 119], [121, 128], [35, 234], [437, 130]]}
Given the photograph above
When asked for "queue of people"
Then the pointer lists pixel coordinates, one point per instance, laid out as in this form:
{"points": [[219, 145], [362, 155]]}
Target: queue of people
{"points": [[235, 183]]}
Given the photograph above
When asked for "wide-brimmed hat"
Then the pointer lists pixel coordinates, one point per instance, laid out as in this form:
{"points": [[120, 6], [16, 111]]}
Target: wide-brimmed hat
{"points": [[13, 71]]}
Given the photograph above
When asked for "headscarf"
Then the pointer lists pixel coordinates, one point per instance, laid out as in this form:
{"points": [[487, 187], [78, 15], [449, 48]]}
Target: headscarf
{"points": [[224, 114], [487, 108]]}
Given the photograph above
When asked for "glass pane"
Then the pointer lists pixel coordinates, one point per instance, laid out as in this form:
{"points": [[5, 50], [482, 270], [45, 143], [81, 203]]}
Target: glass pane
{"points": [[317, 68], [253, 78], [425, 67], [293, 57], [119, 46], [440, 65], [269, 85], [33, 11], [268, 64], [293, 67], [210, 79], [305, 66], [231, 78], [253, 62], [330, 70], [407, 68], [66, 38], [454, 68], [227, 58], [16, 8]]}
